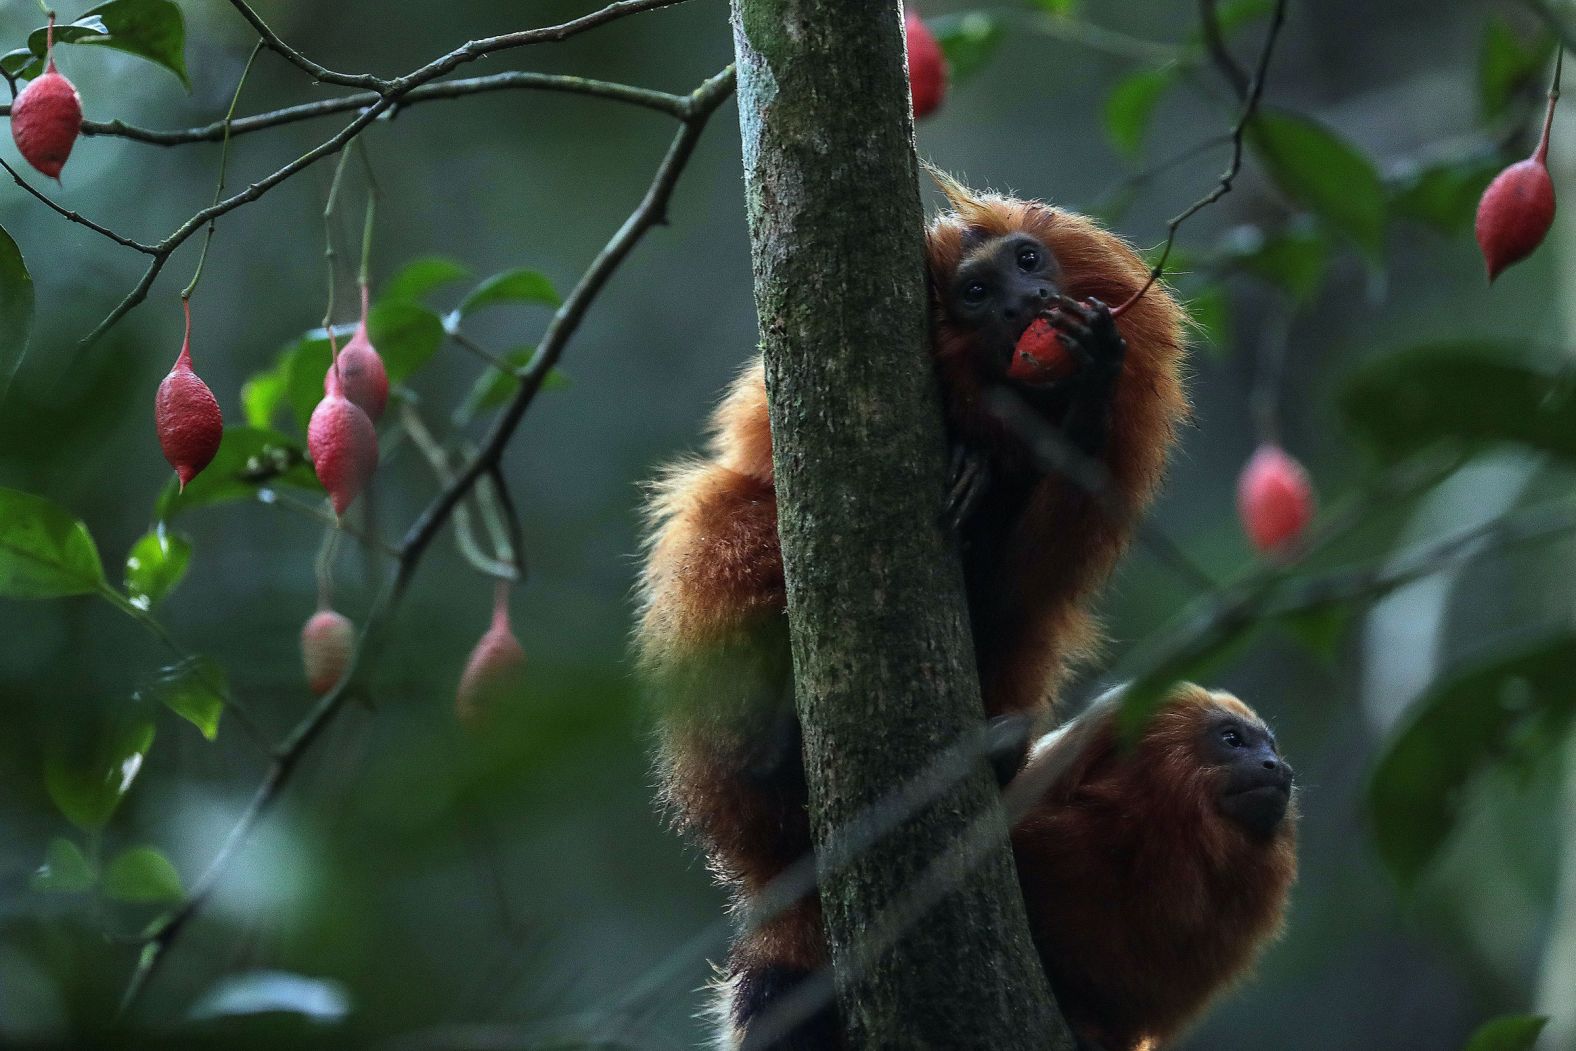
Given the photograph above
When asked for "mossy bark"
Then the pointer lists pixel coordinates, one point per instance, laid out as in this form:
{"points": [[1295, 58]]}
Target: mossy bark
{"points": [[883, 663]]}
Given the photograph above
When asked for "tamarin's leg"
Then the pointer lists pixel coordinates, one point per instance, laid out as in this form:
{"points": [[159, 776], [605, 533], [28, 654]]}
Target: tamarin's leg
{"points": [[714, 645]]}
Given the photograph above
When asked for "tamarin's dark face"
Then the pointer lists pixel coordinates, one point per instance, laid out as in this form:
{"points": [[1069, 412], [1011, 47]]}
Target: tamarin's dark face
{"points": [[999, 287], [1255, 782]]}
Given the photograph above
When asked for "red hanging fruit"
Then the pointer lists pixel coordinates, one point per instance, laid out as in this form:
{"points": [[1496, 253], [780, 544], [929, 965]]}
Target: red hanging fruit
{"points": [[1517, 209], [1040, 356], [1275, 500], [47, 116], [327, 640], [344, 448], [186, 415], [493, 669], [358, 372], [927, 66]]}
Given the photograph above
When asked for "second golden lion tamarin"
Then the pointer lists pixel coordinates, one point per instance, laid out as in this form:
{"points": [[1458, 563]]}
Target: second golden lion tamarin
{"points": [[1036, 544]]}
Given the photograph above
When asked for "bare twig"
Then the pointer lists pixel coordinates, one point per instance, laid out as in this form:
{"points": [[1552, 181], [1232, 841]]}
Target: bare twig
{"points": [[77, 217], [1250, 106], [288, 755], [296, 58], [1219, 54]]}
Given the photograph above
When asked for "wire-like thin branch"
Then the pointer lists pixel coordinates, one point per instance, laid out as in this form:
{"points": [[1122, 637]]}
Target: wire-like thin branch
{"points": [[660, 101], [650, 212], [77, 217], [1250, 106], [296, 58], [1219, 54]]}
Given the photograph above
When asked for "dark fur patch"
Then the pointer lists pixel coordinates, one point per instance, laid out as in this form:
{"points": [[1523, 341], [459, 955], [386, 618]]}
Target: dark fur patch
{"points": [[759, 992]]}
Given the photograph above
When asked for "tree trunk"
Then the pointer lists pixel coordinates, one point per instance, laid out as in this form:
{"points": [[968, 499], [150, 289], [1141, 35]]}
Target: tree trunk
{"points": [[883, 666]]}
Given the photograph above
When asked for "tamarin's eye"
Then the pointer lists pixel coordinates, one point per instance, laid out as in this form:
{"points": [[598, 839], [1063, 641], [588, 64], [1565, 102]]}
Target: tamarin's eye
{"points": [[1028, 260], [975, 292], [1232, 738]]}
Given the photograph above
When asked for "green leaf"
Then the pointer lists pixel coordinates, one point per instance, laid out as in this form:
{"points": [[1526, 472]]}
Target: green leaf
{"points": [[1321, 170], [65, 870], [16, 311], [150, 29], [492, 388], [195, 689], [1506, 66], [1204, 647], [1510, 1033], [305, 363], [44, 551], [1512, 709], [142, 874], [248, 458], [406, 334], [1295, 259], [1236, 13], [1060, 8], [88, 785], [1132, 104], [967, 40], [21, 64], [1320, 630], [1474, 393], [423, 275], [511, 286], [1444, 196], [262, 395], [155, 564]]}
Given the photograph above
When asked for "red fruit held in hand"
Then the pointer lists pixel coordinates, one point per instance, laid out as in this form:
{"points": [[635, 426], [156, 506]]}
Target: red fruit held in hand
{"points": [[186, 416], [493, 669], [927, 66], [327, 640], [344, 448], [1275, 500], [360, 374], [1040, 356], [45, 120]]}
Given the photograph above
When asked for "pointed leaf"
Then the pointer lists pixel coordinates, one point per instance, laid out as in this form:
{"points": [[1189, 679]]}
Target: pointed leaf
{"points": [[150, 29], [16, 311], [1510, 1033], [1324, 172], [65, 870], [44, 551], [1294, 259], [142, 874], [511, 286], [88, 785], [492, 388], [1510, 710], [156, 563], [423, 275], [1444, 196], [262, 395], [1507, 66], [195, 689]]}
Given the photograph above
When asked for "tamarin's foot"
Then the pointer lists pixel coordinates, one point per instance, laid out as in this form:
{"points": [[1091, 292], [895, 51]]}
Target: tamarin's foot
{"points": [[968, 480], [1090, 334]]}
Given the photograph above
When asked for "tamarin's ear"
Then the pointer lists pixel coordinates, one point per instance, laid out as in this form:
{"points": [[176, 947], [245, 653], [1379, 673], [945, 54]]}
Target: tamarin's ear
{"points": [[963, 200]]}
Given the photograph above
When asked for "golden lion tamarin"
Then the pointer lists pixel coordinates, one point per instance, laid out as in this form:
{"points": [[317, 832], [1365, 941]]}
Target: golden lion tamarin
{"points": [[1152, 876], [1035, 543]]}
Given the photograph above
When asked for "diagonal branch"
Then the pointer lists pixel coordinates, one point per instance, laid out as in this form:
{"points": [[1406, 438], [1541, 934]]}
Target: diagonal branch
{"points": [[296, 58]]}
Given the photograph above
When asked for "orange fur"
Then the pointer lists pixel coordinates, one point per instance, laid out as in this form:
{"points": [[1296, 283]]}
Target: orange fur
{"points": [[1144, 901]]}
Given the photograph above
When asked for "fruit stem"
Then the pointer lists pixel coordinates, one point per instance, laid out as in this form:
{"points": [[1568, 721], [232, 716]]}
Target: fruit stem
{"points": [[366, 225], [224, 163], [500, 618], [186, 343], [1542, 155], [329, 256]]}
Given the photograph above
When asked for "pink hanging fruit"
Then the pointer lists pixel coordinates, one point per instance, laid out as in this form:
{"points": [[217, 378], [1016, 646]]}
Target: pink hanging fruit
{"points": [[358, 372], [1517, 210], [327, 640], [344, 448], [47, 116], [186, 415], [1275, 500], [927, 66], [493, 669]]}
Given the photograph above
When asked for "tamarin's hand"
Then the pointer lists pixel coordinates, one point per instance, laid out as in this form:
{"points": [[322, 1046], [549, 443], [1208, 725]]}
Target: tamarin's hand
{"points": [[1090, 334]]}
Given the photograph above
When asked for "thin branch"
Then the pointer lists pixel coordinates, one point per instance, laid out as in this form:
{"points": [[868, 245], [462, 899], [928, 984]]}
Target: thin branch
{"points": [[296, 58], [651, 211], [76, 217], [660, 101], [1249, 107], [1219, 54]]}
